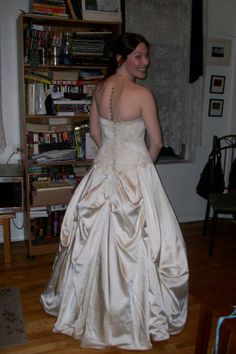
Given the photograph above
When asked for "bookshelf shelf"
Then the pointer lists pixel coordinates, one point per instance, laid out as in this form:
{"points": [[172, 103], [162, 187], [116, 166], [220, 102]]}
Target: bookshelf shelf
{"points": [[49, 70], [43, 67], [68, 21], [45, 119], [78, 162]]}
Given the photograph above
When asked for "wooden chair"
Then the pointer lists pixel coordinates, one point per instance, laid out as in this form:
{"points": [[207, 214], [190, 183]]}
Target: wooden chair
{"points": [[227, 334], [215, 303], [221, 203], [5, 220]]}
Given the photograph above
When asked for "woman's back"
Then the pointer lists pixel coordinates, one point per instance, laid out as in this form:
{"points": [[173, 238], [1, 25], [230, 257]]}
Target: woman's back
{"points": [[118, 99]]}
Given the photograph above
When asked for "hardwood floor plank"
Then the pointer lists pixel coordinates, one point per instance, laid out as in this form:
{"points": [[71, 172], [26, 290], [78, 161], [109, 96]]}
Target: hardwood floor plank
{"points": [[207, 274]]}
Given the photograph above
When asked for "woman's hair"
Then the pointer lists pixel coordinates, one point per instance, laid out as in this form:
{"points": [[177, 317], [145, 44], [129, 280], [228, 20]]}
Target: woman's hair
{"points": [[123, 46]]}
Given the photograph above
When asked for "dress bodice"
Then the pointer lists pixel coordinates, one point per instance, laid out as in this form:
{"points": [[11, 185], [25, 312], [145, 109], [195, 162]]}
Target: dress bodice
{"points": [[123, 144]]}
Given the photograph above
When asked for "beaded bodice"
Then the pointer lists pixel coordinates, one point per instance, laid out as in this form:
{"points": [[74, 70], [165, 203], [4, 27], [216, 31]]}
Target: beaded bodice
{"points": [[123, 144]]}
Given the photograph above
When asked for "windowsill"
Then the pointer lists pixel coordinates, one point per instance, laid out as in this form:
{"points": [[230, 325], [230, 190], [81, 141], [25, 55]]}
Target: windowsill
{"points": [[171, 160]]}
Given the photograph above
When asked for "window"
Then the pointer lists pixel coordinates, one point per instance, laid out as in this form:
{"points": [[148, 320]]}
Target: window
{"points": [[166, 25]]}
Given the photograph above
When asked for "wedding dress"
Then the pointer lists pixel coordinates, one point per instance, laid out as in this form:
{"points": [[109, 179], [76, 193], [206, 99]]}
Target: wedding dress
{"points": [[121, 275]]}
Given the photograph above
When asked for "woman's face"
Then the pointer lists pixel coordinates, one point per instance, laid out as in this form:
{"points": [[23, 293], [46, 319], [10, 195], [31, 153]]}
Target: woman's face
{"points": [[137, 62]]}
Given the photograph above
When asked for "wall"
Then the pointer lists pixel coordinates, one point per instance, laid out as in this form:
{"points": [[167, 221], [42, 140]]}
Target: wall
{"points": [[179, 179], [10, 103]]}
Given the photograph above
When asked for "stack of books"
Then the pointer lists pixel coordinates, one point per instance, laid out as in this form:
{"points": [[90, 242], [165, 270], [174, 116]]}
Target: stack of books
{"points": [[91, 46], [49, 7], [71, 107]]}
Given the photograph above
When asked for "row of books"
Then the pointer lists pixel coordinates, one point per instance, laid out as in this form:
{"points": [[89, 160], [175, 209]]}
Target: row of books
{"points": [[73, 78], [42, 174], [73, 90], [39, 42], [64, 145], [43, 93], [69, 100], [43, 45], [47, 227]]}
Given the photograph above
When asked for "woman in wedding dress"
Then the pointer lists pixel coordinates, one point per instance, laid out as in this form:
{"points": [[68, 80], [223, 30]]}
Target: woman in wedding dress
{"points": [[121, 274]]}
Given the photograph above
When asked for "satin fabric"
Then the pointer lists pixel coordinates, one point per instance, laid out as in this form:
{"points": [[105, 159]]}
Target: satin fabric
{"points": [[121, 274]]}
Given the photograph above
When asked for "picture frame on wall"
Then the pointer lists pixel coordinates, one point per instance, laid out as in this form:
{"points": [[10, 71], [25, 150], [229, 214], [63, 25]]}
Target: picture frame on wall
{"points": [[219, 51], [217, 84], [101, 10], [216, 107]]}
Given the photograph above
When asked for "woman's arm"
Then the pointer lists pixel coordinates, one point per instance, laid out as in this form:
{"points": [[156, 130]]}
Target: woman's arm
{"points": [[94, 123], [151, 119]]}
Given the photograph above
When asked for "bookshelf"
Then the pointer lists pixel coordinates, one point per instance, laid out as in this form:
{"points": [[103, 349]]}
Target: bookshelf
{"points": [[61, 59]]}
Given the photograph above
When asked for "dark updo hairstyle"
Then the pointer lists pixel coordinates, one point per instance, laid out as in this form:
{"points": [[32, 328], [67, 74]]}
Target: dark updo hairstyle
{"points": [[123, 46]]}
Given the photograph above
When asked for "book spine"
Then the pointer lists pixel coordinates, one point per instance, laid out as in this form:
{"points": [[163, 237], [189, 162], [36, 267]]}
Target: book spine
{"points": [[37, 79], [57, 2], [76, 82], [71, 102], [78, 143], [49, 10], [71, 10], [49, 2], [48, 6], [31, 98], [76, 7]]}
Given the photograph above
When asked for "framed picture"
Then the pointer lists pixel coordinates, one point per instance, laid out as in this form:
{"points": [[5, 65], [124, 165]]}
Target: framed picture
{"points": [[219, 51], [215, 108], [101, 10], [217, 84]]}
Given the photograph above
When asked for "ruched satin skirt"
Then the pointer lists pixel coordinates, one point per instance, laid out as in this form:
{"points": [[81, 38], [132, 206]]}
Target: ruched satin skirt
{"points": [[121, 275]]}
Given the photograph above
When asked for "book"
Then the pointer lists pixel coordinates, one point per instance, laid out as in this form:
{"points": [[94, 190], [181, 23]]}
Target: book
{"points": [[34, 127], [75, 95], [65, 114], [91, 74], [47, 2], [77, 8], [31, 98], [70, 101], [71, 10], [58, 121], [92, 80], [64, 75], [38, 78], [111, 16], [60, 8]]}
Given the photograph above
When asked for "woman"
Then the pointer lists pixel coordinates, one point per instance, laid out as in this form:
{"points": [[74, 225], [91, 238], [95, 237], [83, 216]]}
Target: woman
{"points": [[121, 274]]}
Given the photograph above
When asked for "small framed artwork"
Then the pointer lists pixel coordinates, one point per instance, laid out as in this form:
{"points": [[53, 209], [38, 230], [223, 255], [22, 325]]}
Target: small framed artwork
{"points": [[219, 51], [102, 10], [217, 84], [215, 108]]}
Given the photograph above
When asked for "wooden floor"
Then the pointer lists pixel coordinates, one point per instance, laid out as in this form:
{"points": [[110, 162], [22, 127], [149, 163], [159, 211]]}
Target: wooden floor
{"points": [[31, 275]]}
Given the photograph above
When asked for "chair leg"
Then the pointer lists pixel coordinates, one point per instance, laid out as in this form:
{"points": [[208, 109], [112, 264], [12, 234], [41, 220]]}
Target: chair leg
{"points": [[212, 234], [206, 218], [203, 330]]}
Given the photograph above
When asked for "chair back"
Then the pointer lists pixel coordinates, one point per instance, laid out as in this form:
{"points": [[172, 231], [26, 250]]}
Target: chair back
{"points": [[225, 148]]}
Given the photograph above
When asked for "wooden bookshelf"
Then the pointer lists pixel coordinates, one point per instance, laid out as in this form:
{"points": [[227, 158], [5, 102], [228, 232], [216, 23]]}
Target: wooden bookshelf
{"points": [[34, 67]]}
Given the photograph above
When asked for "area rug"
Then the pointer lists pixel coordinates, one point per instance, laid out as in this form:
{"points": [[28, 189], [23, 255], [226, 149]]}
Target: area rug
{"points": [[12, 331]]}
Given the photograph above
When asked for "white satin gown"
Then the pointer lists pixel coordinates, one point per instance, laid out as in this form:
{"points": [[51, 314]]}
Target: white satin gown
{"points": [[121, 274]]}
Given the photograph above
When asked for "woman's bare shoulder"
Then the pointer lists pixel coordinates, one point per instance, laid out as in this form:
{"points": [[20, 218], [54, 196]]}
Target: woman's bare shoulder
{"points": [[142, 92]]}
